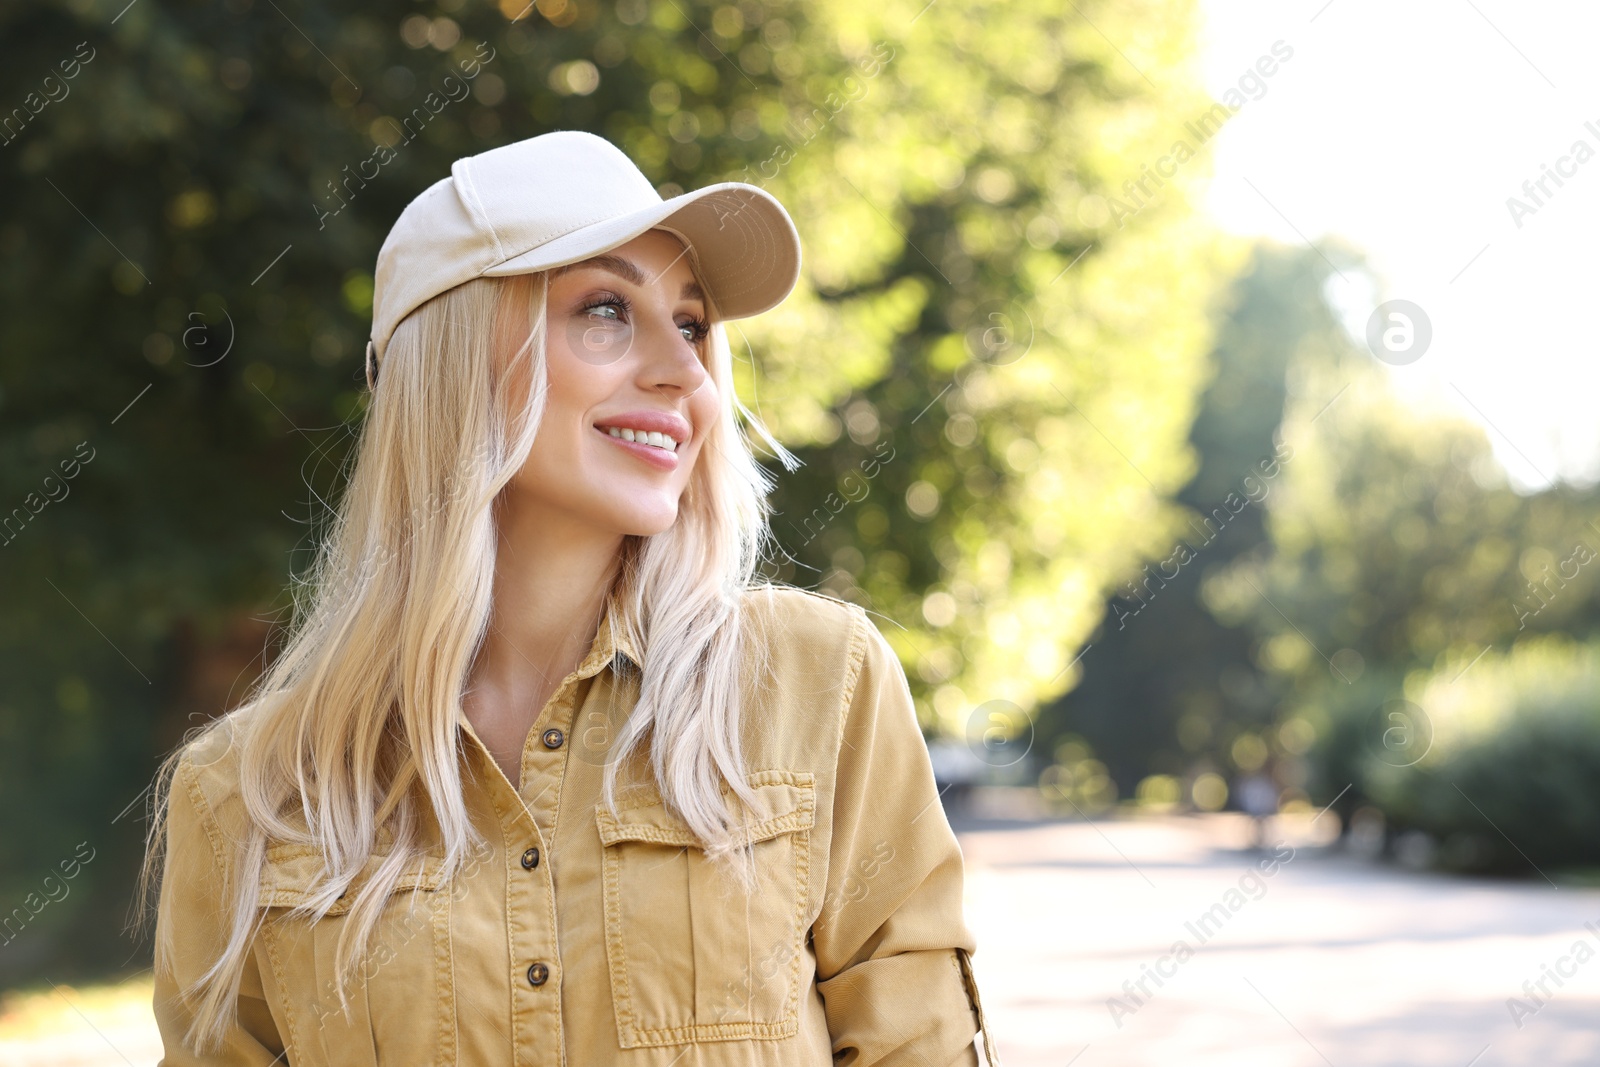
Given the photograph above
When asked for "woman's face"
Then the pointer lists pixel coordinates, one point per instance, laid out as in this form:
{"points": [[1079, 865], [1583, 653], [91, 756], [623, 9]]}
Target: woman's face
{"points": [[627, 358]]}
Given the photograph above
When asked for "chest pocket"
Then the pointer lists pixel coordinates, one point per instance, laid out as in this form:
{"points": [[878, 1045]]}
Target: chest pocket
{"points": [[692, 956], [398, 1011]]}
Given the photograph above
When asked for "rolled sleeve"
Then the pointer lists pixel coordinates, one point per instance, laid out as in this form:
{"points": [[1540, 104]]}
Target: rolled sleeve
{"points": [[192, 914], [891, 925]]}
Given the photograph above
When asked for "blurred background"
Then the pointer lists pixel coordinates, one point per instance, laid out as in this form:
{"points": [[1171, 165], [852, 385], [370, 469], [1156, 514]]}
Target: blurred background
{"points": [[1199, 394]]}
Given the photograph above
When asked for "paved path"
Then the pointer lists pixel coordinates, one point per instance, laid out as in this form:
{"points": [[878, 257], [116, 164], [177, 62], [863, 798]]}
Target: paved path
{"points": [[1329, 962]]}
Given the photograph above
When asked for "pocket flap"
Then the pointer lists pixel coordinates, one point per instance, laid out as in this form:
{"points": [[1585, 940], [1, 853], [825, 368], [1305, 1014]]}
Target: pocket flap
{"points": [[292, 873], [785, 802]]}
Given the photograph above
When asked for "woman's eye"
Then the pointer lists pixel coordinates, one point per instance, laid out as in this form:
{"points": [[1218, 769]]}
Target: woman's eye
{"points": [[602, 302]]}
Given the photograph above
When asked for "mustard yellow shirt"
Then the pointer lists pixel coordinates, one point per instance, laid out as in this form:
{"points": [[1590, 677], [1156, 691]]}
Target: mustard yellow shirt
{"points": [[595, 940]]}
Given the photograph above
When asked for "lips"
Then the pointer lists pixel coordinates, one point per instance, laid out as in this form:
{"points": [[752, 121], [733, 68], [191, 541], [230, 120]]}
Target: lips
{"points": [[670, 429], [655, 440], [654, 436]]}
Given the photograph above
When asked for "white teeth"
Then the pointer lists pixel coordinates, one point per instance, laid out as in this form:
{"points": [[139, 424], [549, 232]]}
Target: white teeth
{"points": [[658, 440]]}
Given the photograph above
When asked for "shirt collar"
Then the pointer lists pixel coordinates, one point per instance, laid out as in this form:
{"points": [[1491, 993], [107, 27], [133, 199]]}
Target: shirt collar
{"points": [[609, 643]]}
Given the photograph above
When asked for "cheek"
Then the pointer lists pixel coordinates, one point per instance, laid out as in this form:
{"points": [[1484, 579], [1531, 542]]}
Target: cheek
{"points": [[575, 387], [705, 407], [703, 416]]}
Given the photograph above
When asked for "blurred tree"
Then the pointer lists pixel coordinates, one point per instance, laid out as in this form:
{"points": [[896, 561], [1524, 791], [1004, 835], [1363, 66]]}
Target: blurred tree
{"points": [[1167, 689], [1027, 358], [1396, 545], [1508, 778], [186, 287]]}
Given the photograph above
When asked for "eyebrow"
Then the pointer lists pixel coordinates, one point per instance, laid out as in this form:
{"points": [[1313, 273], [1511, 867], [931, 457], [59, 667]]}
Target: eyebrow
{"points": [[628, 271]]}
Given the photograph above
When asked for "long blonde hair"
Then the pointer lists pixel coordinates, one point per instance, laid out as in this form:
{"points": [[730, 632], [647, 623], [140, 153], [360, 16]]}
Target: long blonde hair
{"points": [[355, 723]]}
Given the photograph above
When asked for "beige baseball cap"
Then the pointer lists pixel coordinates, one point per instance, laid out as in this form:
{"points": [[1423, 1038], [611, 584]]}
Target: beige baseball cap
{"points": [[562, 197]]}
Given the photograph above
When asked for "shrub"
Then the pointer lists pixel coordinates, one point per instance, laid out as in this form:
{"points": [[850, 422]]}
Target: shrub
{"points": [[1511, 780]]}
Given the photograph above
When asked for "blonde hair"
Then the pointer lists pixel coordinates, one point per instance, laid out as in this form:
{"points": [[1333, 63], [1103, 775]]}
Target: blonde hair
{"points": [[355, 722]]}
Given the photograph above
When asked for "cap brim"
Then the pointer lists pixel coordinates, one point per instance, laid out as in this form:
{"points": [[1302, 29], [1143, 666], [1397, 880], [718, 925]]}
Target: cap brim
{"points": [[744, 244]]}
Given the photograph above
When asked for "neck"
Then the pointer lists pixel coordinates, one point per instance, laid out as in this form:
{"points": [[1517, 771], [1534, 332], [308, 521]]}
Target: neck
{"points": [[551, 578]]}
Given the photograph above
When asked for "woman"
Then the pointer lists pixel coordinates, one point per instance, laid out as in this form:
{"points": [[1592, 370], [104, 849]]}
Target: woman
{"points": [[543, 774]]}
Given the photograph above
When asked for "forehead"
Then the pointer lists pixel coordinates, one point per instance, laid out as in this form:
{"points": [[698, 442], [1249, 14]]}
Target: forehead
{"points": [[653, 258]]}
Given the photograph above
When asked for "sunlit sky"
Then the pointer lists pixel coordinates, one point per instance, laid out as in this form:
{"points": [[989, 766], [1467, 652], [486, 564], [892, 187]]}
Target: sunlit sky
{"points": [[1403, 129]]}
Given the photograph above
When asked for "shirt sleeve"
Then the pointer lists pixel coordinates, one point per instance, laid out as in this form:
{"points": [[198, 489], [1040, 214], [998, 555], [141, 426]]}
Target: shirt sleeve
{"points": [[192, 912], [886, 941]]}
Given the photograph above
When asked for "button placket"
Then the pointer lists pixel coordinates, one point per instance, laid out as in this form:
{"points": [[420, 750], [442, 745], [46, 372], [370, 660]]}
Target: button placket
{"points": [[530, 918], [528, 818], [530, 903], [544, 754], [531, 896]]}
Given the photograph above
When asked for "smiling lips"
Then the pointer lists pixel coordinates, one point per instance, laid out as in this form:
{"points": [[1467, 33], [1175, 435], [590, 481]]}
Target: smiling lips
{"points": [[655, 440], [653, 436]]}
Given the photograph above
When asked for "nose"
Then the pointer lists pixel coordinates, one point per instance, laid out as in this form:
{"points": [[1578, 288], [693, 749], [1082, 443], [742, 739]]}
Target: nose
{"points": [[670, 364]]}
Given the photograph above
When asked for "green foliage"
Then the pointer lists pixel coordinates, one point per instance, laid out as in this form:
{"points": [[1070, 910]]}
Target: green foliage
{"points": [[1512, 780], [1387, 547], [1032, 367], [1397, 550], [1166, 688], [1396, 536]]}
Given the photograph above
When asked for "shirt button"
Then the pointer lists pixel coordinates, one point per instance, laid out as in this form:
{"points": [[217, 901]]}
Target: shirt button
{"points": [[530, 858], [553, 738], [537, 974]]}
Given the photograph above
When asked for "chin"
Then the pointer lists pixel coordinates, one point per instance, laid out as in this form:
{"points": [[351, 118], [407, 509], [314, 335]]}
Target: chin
{"points": [[648, 522]]}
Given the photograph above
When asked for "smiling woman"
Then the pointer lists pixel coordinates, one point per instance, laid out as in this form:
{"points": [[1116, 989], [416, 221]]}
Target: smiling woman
{"points": [[543, 773]]}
